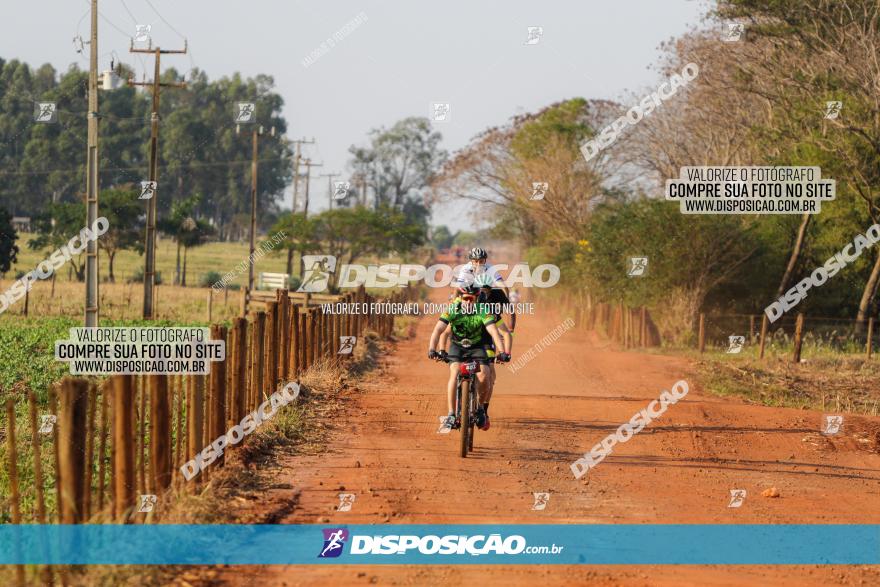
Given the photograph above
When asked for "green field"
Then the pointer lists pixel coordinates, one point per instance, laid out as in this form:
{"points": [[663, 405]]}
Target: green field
{"points": [[221, 257]]}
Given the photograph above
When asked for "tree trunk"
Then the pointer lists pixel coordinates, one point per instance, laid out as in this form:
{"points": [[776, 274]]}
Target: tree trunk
{"points": [[795, 254], [290, 261], [183, 277], [177, 269], [868, 295], [110, 256]]}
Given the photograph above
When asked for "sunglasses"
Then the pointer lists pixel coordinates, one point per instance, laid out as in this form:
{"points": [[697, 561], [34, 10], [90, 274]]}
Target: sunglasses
{"points": [[468, 298]]}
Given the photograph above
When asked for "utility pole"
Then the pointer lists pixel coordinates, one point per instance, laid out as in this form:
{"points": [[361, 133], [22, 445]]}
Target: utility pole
{"points": [[330, 191], [150, 244], [257, 132], [91, 318], [308, 163], [296, 158]]}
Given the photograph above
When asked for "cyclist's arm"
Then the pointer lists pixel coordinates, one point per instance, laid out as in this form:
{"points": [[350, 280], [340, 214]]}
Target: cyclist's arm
{"points": [[444, 338], [435, 335], [506, 336], [500, 343]]}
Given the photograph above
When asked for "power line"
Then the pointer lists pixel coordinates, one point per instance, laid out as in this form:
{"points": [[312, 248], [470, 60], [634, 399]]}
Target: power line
{"points": [[170, 165], [162, 18]]}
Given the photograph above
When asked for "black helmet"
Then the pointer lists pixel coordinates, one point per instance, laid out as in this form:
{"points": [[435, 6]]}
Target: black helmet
{"points": [[477, 253]]}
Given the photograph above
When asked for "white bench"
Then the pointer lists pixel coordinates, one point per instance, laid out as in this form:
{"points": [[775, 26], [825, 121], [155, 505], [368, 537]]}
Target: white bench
{"points": [[273, 281]]}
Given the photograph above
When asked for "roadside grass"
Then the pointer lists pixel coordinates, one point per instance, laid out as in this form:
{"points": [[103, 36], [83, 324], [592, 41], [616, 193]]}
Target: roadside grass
{"points": [[27, 362], [832, 376]]}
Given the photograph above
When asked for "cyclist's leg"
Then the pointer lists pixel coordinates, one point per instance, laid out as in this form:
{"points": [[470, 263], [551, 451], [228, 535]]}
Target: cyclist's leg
{"points": [[455, 358]]}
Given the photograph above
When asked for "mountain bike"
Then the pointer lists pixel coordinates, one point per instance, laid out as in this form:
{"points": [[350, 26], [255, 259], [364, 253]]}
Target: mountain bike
{"points": [[466, 397]]}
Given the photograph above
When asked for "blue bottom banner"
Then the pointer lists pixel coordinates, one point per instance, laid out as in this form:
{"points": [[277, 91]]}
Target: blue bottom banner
{"points": [[420, 544]]}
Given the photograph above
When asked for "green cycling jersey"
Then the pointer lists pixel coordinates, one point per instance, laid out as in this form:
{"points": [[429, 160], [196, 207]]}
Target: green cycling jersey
{"points": [[468, 329]]}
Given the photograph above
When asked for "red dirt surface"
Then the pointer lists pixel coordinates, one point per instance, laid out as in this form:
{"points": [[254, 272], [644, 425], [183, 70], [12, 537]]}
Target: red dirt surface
{"points": [[680, 469]]}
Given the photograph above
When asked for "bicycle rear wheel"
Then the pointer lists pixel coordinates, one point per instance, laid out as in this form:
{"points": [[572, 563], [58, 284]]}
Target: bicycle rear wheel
{"points": [[465, 407], [472, 405]]}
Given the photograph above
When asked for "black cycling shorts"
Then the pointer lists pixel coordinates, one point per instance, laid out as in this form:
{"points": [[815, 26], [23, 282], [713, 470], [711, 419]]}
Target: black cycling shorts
{"points": [[459, 354]]}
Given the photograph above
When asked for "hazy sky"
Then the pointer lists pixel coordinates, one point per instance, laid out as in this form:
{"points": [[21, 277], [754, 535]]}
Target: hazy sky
{"points": [[403, 57]]}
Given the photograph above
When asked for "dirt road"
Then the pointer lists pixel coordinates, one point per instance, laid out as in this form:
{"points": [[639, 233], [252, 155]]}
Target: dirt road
{"points": [[680, 469]]}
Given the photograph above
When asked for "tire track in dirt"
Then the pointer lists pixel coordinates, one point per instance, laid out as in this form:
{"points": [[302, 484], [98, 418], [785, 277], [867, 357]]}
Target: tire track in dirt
{"points": [[680, 469]]}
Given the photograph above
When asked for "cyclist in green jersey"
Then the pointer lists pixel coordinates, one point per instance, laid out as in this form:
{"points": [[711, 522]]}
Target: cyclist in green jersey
{"points": [[472, 331]]}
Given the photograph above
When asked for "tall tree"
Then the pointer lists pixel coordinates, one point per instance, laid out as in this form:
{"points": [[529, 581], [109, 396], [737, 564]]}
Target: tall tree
{"points": [[8, 236]]}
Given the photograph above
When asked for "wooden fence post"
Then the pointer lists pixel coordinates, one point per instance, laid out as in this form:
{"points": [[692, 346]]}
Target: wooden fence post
{"points": [[764, 325], [283, 333], [73, 406], [143, 393], [90, 451], [312, 342], [160, 432], [798, 337], [195, 415], [293, 327], [102, 445], [123, 477], [702, 340], [210, 304], [217, 406], [870, 343], [257, 358], [53, 408], [643, 327], [38, 463], [237, 393], [304, 341], [271, 346], [12, 457]]}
